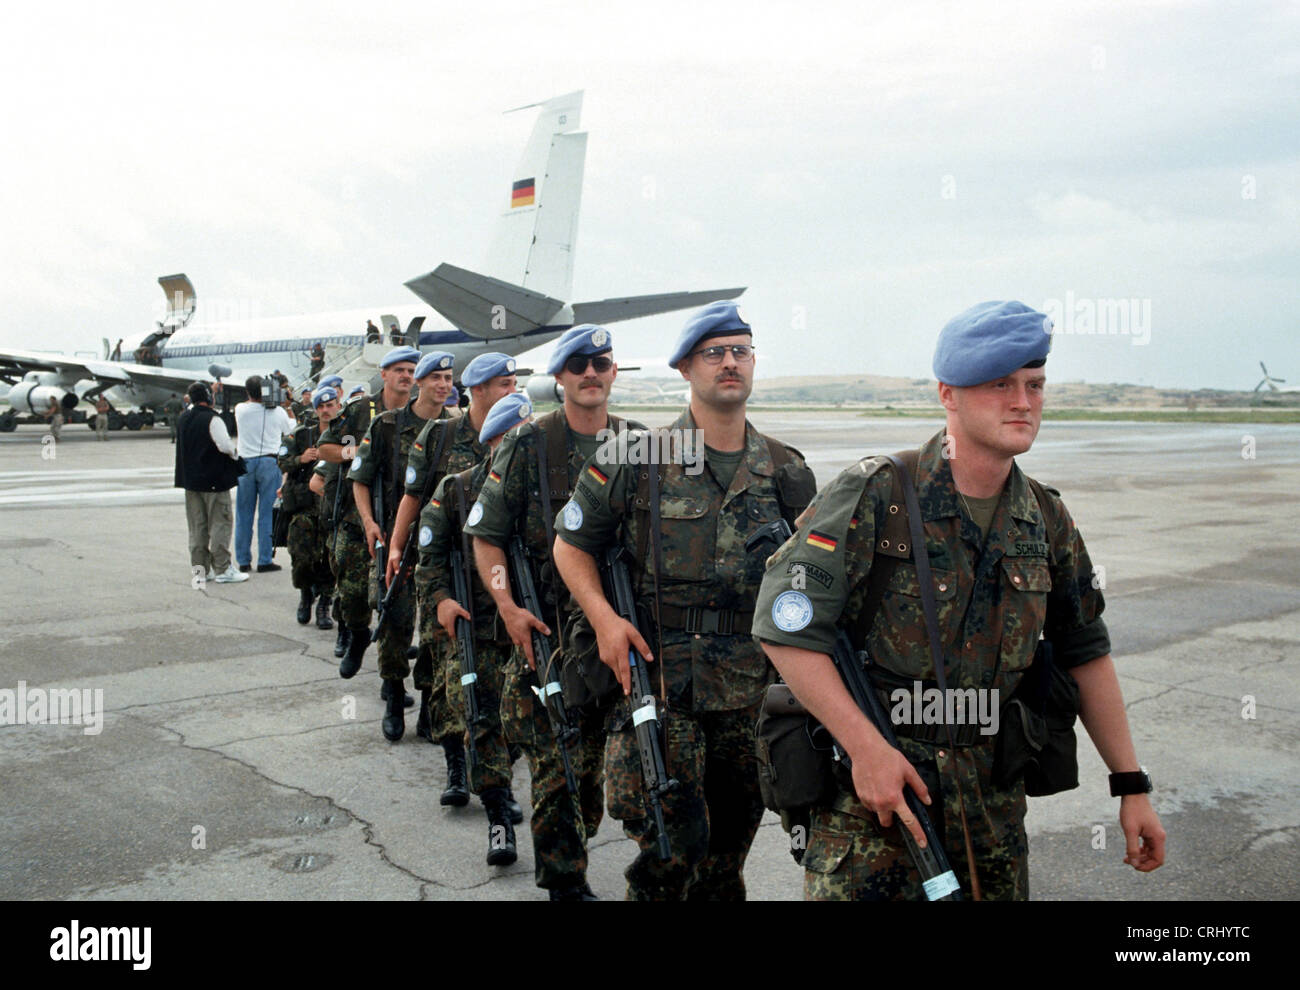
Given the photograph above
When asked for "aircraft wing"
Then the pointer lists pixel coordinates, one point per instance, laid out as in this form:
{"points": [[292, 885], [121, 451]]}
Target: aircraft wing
{"points": [[483, 306], [15, 364], [630, 307]]}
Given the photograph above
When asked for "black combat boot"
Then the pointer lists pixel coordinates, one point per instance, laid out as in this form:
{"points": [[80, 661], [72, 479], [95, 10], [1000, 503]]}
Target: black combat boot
{"points": [[457, 793], [424, 723], [304, 606], [512, 806], [394, 723], [359, 639], [407, 700], [574, 892], [342, 640], [501, 833], [323, 620]]}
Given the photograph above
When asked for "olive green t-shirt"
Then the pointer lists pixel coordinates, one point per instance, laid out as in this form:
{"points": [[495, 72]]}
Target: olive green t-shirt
{"points": [[723, 464], [981, 510]]}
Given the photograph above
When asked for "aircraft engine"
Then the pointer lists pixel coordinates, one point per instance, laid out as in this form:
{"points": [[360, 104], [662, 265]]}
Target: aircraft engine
{"points": [[543, 388], [33, 397]]}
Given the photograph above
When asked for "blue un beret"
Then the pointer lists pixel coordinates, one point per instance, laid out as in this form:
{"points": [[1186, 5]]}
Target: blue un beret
{"points": [[585, 339], [486, 367], [989, 341], [506, 414], [323, 394], [719, 319], [453, 400], [333, 381], [434, 361], [357, 390], [398, 354]]}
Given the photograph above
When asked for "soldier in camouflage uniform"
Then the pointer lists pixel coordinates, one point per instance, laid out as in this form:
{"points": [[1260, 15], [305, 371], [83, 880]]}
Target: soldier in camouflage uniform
{"points": [[380, 466], [325, 483], [338, 445], [308, 551], [442, 524], [454, 444], [562, 823], [727, 481], [1007, 565]]}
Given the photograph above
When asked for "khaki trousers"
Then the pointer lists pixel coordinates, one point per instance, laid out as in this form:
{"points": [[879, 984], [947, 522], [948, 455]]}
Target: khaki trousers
{"points": [[210, 520]]}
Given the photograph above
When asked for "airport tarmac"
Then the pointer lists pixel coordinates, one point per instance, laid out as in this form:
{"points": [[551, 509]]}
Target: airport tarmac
{"points": [[225, 767]]}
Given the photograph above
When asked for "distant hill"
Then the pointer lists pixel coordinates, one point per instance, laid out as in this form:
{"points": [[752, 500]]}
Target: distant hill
{"points": [[919, 393]]}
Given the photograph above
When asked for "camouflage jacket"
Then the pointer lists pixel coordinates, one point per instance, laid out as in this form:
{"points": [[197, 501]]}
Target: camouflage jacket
{"points": [[512, 501], [994, 596], [349, 427], [705, 565], [295, 496], [439, 528], [465, 452], [383, 455]]}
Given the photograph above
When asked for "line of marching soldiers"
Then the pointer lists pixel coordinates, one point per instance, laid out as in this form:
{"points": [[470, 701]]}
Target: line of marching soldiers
{"points": [[401, 490], [375, 483]]}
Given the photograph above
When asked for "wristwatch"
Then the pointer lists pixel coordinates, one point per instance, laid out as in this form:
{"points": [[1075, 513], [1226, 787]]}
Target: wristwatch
{"points": [[1132, 782]]}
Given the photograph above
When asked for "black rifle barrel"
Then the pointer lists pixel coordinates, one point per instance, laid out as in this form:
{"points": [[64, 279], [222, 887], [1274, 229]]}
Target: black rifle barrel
{"points": [[937, 878], [547, 688], [645, 714], [465, 640]]}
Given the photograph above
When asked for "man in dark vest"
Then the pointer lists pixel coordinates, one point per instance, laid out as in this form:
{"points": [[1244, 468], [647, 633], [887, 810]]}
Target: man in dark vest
{"points": [[207, 466]]}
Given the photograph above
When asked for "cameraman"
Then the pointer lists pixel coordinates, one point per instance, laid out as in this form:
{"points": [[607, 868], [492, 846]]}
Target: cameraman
{"points": [[260, 427]]}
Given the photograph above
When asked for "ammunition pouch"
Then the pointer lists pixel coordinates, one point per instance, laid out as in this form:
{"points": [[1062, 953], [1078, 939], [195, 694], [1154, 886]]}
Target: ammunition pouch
{"points": [[587, 682], [279, 526], [1036, 736], [794, 754]]}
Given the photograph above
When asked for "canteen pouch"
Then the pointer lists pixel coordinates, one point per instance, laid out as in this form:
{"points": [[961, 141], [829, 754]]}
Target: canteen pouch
{"points": [[586, 681], [1036, 736], [793, 774]]}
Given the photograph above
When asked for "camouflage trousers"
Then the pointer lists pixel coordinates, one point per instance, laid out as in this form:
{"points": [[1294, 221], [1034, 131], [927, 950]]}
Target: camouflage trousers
{"points": [[352, 566], [398, 628], [438, 656], [309, 554], [562, 823], [851, 858], [491, 760], [711, 818]]}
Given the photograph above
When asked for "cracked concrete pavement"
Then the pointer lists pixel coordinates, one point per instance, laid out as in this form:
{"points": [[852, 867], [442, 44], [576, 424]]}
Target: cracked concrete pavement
{"points": [[226, 767]]}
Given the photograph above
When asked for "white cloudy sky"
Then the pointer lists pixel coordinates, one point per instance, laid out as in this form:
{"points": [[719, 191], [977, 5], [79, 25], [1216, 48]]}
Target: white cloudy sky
{"points": [[867, 168]]}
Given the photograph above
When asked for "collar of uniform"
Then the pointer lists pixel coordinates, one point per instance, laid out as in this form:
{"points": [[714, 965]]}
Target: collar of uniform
{"points": [[758, 459], [937, 493]]}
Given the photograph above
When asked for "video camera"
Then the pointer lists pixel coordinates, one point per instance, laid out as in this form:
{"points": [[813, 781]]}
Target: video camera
{"points": [[273, 391]]}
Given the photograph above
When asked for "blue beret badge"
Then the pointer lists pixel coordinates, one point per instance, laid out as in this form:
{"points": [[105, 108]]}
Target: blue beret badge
{"points": [[792, 611], [573, 516]]}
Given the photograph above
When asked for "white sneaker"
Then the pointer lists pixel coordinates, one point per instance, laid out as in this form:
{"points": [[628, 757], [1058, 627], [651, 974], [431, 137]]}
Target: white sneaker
{"points": [[212, 575], [230, 576]]}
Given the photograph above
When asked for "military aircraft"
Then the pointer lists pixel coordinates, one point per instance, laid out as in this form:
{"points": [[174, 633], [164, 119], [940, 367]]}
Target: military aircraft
{"points": [[520, 305]]}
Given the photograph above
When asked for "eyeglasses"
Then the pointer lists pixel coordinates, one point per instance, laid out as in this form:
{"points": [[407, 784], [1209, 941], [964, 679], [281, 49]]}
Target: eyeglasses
{"points": [[577, 364], [743, 353]]}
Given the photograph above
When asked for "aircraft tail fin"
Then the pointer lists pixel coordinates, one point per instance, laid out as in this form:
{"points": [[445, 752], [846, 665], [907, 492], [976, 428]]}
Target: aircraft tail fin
{"points": [[483, 306], [534, 242], [630, 307]]}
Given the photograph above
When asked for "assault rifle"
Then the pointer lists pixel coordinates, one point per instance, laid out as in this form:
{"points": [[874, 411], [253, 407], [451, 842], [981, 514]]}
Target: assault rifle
{"points": [[381, 552], [645, 716], [854, 667], [548, 689], [460, 589]]}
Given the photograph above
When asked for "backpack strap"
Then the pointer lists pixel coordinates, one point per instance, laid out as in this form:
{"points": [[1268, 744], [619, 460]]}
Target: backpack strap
{"points": [[892, 547]]}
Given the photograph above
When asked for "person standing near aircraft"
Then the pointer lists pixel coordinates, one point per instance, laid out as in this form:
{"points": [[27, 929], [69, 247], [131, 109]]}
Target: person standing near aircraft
{"points": [[317, 355], [534, 472], [207, 468], [382, 459], [444, 447], [442, 524], [101, 419], [308, 552], [259, 430]]}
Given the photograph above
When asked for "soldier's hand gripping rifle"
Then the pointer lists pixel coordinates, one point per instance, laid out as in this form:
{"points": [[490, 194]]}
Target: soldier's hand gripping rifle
{"points": [[381, 553], [854, 667], [547, 688], [408, 549], [645, 716]]}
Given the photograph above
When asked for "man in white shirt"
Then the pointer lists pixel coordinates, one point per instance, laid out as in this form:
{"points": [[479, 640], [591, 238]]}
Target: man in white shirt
{"points": [[260, 433], [206, 468]]}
